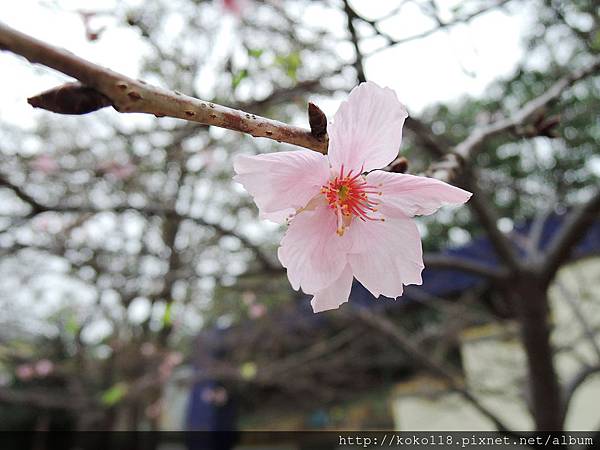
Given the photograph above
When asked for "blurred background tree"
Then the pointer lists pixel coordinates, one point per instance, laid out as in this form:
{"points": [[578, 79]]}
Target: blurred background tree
{"points": [[123, 238]]}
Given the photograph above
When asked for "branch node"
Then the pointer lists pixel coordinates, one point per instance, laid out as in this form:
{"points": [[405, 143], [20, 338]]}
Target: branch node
{"points": [[134, 95]]}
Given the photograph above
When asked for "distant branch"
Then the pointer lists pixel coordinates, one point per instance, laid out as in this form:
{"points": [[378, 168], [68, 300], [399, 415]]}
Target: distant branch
{"points": [[354, 38], [41, 399], [468, 149], [24, 196], [263, 259], [489, 221], [387, 327], [527, 111], [439, 261], [572, 231], [578, 379], [390, 41]]}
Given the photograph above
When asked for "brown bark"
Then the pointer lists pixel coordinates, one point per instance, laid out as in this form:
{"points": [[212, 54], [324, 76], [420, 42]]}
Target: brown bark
{"points": [[530, 296]]}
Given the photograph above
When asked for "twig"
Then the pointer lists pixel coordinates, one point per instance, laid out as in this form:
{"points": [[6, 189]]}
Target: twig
{"points": [[588, 331], [578, 379], [24, 196], [354, 38], [390, 41]]}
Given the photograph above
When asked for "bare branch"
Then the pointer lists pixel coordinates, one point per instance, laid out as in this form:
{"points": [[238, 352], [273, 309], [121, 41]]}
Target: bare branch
{"points": [[354, 38], [129, 95], [588, 330], [42, 399], [572, 231], [263, 259], [390, 41], [487, 216], [387, 327], [467, 149], [425, 137], [440, 261], [575, 382], [24, 196], [531, 108]]}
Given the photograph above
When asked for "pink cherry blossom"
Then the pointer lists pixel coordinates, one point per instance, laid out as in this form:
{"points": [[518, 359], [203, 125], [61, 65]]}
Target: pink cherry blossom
{"points": [[235, 7], [257, 310], [45, 164], [44, 367], [25, 372], [121, 171], [347, 219]]}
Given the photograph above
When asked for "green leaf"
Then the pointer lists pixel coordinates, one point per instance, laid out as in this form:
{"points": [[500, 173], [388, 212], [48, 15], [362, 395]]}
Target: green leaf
{"points": [[167, 319], [255, 52], [289, 63], [248, 370], [596, 41], [72, 326], [114, 394], [238, 77]]}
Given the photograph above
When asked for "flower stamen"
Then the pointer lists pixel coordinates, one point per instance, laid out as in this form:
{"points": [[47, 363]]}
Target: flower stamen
{"points": [[350, 196]]}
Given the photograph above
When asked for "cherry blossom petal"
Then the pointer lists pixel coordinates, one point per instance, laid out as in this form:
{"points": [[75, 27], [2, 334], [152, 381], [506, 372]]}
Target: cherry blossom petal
{"points": [[388, 255], [367, 129], [278, 216], [282, 182], [312, 252], [235, 7], [335, 294], [410, 195]]}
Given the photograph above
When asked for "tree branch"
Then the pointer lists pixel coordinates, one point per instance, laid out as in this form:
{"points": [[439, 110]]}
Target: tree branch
{"points": [[578, 379], [440, 261], [354, 38], [467, 149], [487, 216], [387, 327], [42, 399], [572, 231], [263, 259], [24, 196], [391, 42], [588, 330], [129, 95]]}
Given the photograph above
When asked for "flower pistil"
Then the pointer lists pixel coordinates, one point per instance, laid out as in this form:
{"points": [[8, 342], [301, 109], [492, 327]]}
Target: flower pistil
{"points": [[350, 196]]}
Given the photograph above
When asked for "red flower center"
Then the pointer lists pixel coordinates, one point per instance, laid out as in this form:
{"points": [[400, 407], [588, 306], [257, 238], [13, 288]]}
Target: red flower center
{"points": [[348, 196]]}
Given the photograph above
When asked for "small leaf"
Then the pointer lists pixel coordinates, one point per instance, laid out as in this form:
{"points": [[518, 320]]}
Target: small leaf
{"points": [[255, 52], [114, 394], [248, 370], [289, 63], [167, 319], [72, 327], [238, 77], [596, 41]]}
